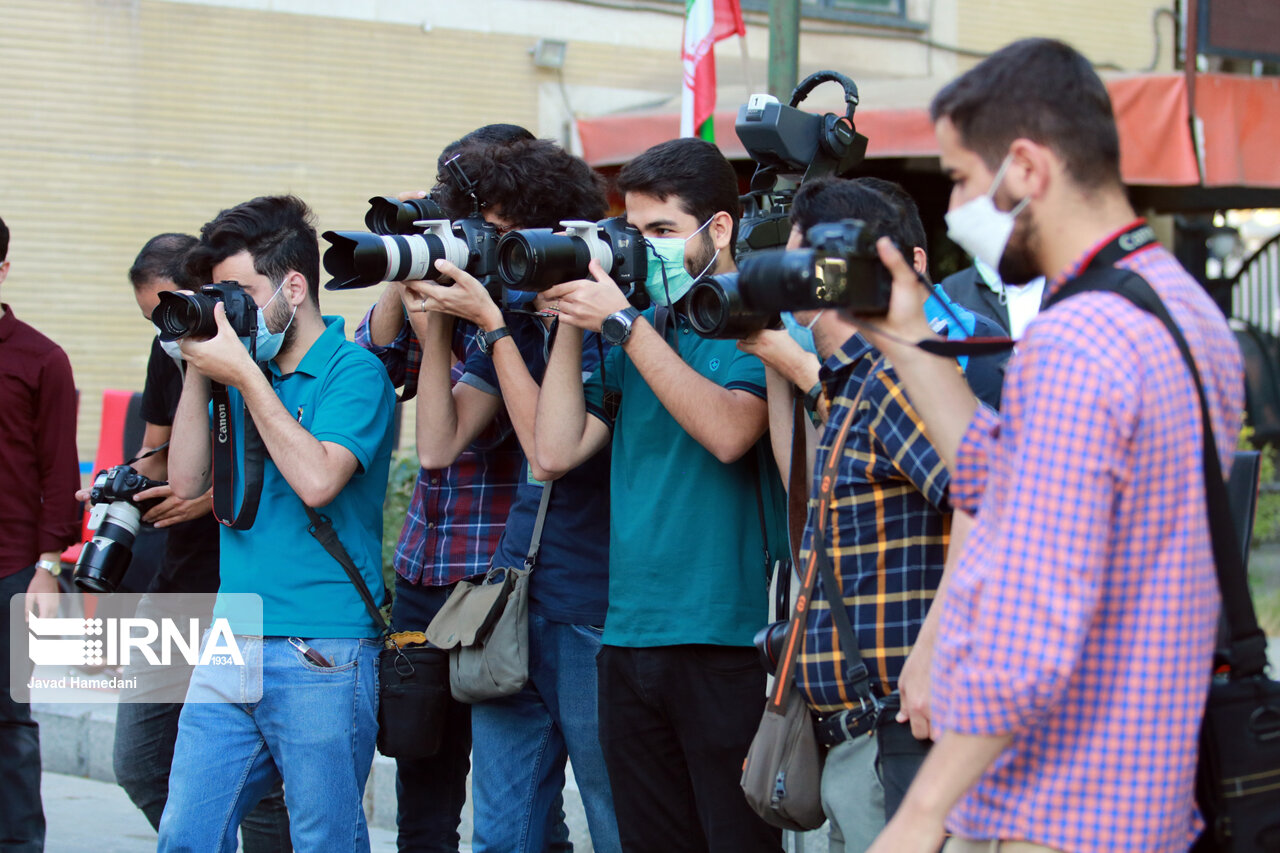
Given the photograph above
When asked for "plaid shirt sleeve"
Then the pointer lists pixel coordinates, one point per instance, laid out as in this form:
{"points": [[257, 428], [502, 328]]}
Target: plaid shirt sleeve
{"points": [[1009, 657], [970, 479], [395, 356], [898, 430]]}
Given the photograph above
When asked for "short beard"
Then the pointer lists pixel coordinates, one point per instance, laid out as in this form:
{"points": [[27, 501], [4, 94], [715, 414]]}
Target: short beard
{"points": [[280, 317], [1018, 264], [700, 263]]}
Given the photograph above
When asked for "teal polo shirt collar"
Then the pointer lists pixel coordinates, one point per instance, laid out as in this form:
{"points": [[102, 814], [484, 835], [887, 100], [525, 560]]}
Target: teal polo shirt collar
{"points": [[313, 363]]}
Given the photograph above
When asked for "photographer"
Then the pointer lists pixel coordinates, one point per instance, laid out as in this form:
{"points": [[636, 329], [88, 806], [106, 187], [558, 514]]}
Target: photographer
{"points": [[521, 742], [146, 731], [323, 410], [38, 518], [681, 690], [886, 536], [1076, 633], [455, 519]]}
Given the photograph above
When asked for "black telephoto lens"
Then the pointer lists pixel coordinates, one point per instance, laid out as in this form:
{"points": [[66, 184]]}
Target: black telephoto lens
{"points": [[779, 280], [179, 315], [716, 309], [768, 642], [538, 258], [390, 215]]}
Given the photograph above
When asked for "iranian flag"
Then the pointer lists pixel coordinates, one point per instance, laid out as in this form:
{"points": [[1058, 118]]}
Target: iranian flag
{"points": [[705, 23]]}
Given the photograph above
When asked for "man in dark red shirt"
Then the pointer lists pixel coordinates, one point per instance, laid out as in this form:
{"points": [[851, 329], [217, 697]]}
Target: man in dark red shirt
{"points": [[39, 475]]}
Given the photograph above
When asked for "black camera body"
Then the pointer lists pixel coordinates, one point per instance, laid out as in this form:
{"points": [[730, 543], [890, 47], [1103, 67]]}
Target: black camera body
{"points": [[359, 259], [105, 558], [538, 258], [180, 315], [791, 146], [840, 269]]}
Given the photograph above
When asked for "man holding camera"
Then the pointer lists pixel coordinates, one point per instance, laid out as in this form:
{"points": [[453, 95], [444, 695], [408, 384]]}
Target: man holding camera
{"points": [[521, 741], [146, 731], [455, 520], [1077, 630], [38, 518], [681, 690], [886, 537], [323, 410]]}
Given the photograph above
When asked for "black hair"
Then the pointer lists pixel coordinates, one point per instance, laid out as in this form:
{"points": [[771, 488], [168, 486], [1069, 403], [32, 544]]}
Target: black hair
{"points": [[532, 183], [4, 242], [1038, 89], [499, 134], [834, 199], [278, 233], [164, 256], [913, 235], [692, 170]]}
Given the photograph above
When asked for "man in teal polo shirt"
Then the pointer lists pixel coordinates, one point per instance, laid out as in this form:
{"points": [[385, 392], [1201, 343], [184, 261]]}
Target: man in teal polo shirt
{"points": [[323, 411], [681, 691]]}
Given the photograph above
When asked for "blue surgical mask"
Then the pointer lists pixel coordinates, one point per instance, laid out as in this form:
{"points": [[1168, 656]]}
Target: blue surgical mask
{"points": [[801, 333], [667, 279], [268, 342]]}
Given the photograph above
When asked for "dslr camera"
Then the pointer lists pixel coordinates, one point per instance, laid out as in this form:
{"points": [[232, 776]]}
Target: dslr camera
{"points": [[538, 258], [179, 315], [840, 269], [114, 518], [791, 146], [390, 215]]}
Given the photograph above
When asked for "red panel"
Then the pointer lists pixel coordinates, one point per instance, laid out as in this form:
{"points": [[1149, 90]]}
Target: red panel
{"points": [[1241, 129]]}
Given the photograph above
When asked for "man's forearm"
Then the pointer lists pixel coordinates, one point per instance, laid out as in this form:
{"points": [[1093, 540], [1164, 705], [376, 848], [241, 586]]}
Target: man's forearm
{"points": [[940, 395], [561, 418], [388, 317], [436, 421], [953, 766], [315, 473], [782, 401], [520, 395], [190, 453], [725, 422]]}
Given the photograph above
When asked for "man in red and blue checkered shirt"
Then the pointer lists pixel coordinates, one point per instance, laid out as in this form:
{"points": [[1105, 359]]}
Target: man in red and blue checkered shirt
{"points": [[1076, 632]]}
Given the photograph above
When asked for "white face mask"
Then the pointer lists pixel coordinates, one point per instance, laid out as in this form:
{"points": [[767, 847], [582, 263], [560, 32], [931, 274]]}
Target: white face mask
{"points": [[172, 349], [979, 228]]}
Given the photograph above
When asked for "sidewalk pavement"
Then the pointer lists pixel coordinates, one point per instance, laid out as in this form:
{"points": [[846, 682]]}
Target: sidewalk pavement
{"points": [[87, 814]]}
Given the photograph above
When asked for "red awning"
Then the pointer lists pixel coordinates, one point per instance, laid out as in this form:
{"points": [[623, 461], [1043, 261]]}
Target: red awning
{"points": [[1241, 117]]}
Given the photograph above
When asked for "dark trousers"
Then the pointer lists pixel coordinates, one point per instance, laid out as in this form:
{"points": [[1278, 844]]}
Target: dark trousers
{"points": [[430, 792], [21, 813], [675, 724], [145, 735]]}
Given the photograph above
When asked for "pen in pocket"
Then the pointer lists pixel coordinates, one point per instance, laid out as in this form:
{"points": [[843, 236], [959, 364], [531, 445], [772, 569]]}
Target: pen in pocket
{"points": [[309, 653]]}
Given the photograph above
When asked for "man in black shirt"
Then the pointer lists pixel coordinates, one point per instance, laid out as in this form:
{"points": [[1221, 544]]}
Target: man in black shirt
{"points": [[146, 731]]}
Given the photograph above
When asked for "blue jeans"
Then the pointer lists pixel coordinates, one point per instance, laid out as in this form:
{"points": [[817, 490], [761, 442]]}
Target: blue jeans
{"points": [[314, 726], [521, 743]]}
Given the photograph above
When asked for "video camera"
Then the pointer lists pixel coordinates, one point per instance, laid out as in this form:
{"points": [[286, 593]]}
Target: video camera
{"points": [[538, 258], [115, 519], [840, 269], [791, 146]]}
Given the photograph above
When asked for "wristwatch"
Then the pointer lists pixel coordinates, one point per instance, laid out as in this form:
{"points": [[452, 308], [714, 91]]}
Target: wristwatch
{"points": [[616, 328], [486, 340], [53, 567]]}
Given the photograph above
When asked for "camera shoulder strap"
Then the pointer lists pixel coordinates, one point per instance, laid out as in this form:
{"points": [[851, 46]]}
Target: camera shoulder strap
{"points": [[818, 556], [1247, 651], [225, 470], [322, 529], [535, 541]]}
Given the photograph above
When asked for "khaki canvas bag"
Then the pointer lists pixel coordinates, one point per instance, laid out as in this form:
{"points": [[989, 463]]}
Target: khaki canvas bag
{"points": [[485, 627]]}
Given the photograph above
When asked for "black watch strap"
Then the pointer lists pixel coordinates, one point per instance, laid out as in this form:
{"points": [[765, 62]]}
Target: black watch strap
{"points": [[488, 339]]}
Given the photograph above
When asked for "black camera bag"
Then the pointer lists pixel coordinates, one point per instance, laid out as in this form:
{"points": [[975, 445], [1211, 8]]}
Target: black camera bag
{"points": [[1238, 778], [413, 682]]}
